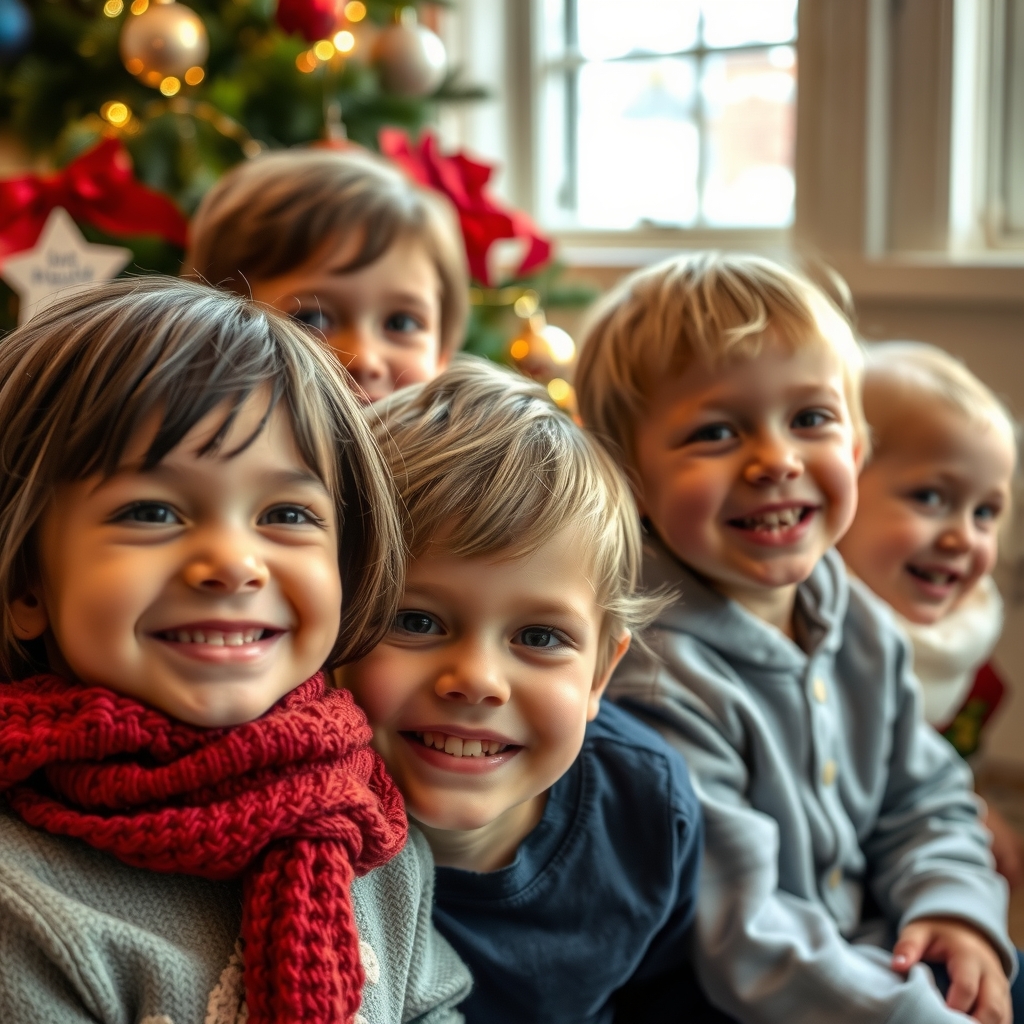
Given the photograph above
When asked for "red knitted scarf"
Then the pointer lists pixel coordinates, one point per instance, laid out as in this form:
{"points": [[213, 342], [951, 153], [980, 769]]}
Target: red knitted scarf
{"points": [[295, 803]]}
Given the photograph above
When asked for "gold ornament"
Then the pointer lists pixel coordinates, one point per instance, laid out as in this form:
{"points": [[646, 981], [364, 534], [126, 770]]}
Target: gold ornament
{"points": [[164, 43], [543, 352], [410, 58]]}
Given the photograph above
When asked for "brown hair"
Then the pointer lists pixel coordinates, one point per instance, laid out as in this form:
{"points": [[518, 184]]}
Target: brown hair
{"points": [[79, 379], [269, 215], [706, 308], [486, 464]]}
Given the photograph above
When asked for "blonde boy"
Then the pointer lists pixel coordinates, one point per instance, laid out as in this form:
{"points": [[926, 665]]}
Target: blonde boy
{"points": [[344, 243], [837, 824]]}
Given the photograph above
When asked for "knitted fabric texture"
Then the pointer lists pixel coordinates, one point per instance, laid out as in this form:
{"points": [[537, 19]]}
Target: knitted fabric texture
{"points": [[295, 803]]}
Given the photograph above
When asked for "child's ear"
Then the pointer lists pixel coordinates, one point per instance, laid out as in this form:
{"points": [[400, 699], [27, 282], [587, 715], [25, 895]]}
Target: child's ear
{"points": [[601, 681], [29, 615]]}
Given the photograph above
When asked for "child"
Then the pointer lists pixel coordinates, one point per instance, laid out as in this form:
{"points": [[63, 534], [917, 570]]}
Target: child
{"points": [[837, 823], [348, 246], [566, 834], [925, 538], [194, 519]]}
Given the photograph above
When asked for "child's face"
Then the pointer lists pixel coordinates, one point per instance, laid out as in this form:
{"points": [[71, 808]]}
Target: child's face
{"points": [[748, 472], [480, 695], [207, 586], [383, 321], [930, 507]]}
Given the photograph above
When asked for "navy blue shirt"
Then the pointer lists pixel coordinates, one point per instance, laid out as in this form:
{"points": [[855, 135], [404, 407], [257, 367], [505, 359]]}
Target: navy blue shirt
{"points": [[602, 892]]}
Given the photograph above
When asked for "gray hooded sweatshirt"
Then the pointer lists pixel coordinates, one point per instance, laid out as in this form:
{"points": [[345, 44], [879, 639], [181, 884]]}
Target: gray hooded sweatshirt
{"points": [[833, 815]]}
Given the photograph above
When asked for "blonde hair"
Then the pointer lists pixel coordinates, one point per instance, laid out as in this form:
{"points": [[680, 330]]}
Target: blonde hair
{"points": [[269, 215], [898, 370], [486, 464], [706, 308], [78, 381]]}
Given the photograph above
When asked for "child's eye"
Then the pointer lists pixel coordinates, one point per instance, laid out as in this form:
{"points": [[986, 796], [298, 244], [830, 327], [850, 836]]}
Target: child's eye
{"points": [[987, 513], [314, 319], [541, 638], [402, 323], [927, 497], [711, 432], [808, 419], [149, 513], [419, 623], [290, 515]]}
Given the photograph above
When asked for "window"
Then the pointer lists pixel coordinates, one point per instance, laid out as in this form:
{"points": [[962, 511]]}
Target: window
{"points": [[665, 113]]}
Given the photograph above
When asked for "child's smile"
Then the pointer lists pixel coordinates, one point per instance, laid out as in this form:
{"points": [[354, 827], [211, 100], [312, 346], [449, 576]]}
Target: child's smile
{"points": [[748, 471], [480, 696], [207, 586]]}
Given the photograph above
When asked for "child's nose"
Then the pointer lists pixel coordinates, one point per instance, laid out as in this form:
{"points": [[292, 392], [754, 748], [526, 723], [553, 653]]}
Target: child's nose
{"points": [[226, 566], [360, 353], [474, 678], [773, 461], [956, 534]]}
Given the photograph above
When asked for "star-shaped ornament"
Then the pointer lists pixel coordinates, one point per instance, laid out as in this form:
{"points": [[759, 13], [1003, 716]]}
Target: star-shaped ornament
{"points": [[61, 263]]}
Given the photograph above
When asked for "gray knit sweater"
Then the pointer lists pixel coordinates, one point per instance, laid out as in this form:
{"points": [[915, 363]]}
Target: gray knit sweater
{"points": [[833, 814], [85, 938]]}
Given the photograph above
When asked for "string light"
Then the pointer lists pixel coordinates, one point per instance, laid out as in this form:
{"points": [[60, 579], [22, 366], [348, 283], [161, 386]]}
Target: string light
{"points": [[324, 49], [139, 6], [170, 85], [305, 62], [116, 112], [194, 75], [559, 390], [526, 305], [112, 8], [519, 349], [355, 11], [344, 41]]}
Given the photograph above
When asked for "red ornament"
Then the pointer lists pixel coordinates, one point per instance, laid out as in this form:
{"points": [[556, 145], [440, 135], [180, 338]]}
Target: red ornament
{"points": [[98, 188], [312, 19], [463, 181]]}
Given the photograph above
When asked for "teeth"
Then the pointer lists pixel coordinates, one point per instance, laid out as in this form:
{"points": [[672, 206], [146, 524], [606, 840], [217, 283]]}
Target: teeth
{"points": [[214, 637], [458, 747], [780, 520]]}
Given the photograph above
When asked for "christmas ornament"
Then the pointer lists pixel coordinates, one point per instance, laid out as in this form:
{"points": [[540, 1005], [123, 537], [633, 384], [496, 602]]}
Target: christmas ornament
{"points": [[15, 28], [540, 350], [163, 43], [61, 263], [99, 188], [463, 181], [410, 58], [311, 19]]}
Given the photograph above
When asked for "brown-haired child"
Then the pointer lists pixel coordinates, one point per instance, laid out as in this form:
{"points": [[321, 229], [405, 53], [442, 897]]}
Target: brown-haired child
{"points": [[194, 520], [344, 243]]}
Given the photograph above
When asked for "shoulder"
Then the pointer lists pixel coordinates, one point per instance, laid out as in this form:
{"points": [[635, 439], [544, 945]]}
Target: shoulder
{"points": [[635, 766]]}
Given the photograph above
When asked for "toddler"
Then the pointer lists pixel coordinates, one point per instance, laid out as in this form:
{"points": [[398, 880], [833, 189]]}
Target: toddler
{"points": [[932, 499], [565, 832], [837, 823], [193, 520], [345, 244]]}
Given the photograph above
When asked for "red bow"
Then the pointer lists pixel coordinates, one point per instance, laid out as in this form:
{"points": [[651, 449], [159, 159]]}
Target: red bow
{"points": [[464, 182], [98, 187]]}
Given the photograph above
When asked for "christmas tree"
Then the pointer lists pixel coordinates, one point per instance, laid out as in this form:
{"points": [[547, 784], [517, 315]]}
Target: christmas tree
{"points": [[190, 90]]}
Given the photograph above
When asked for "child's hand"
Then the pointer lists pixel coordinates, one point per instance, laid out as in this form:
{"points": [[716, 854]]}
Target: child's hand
{"points": [[977, 982], [1006, 847]]}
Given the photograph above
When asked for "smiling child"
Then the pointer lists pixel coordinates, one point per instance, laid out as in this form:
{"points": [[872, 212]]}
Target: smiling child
{"points": [[565, 832], [193, 828], [345, 244], [933, 498], [843, 842]]}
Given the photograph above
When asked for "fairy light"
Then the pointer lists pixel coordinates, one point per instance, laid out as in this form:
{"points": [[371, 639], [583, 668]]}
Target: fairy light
{"points": [[355, 11], [305, 62], [112, 8], [135, 66], [559, 390], [170, 85], [194, 75], [116, 112], [519, 349], [561, 345], [324, 49], [344, 41], [139, 6], [526, 305]]}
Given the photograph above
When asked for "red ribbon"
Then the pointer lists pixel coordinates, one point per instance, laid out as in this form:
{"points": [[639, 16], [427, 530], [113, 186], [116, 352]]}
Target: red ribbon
{"points": [[99, 188]]}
